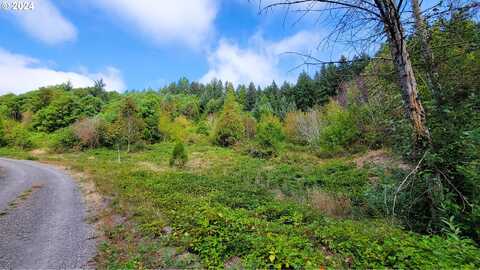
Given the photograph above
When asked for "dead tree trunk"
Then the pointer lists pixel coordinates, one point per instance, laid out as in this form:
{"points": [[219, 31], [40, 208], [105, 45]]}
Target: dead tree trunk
{"points": [[388, 14], [403, 66]]}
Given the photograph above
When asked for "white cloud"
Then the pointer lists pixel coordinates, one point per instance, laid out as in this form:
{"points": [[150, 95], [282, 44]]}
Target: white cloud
{"points": [[46, 23], [261, 62], [187, 21], [22, 73]]}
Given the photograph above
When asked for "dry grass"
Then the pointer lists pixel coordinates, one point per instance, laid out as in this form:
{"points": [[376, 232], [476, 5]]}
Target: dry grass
{"points": [[381, 157], [329, 204], [158, 168]]}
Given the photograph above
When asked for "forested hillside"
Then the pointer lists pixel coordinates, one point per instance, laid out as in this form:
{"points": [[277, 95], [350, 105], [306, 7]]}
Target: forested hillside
{"points": [[326, 171]]}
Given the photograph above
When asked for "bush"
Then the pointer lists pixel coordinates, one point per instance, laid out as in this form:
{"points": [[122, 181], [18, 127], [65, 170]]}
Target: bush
{"points": [[87, 131], [179, 155], [256, 150], [229, 128], [2, 133], [340, 130], [303, 127], [372, 246], [64, 139], [61, 113], [270, 131], [250, 126], [214, 105], [178, 129], [17, 135], [203, 128]]}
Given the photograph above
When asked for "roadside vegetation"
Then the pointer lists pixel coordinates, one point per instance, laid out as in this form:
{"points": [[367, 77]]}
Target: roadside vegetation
{"points": [[321, 173]]}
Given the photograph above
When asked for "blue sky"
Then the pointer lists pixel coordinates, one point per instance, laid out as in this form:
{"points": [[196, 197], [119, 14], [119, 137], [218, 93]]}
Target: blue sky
{"points": [[149, 43]]}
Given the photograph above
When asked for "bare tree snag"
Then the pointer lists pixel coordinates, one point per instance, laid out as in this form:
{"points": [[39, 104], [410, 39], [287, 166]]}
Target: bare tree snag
{"points": [[354, 16], [403, 66]]}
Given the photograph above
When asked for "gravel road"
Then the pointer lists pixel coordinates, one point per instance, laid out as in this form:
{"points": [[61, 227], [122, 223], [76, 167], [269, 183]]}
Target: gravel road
{"points": [[42, 218]]}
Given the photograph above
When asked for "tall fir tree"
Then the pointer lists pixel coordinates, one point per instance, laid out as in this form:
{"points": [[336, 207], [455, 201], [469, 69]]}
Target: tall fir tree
{"points": [[304, 92], [251, 98]]}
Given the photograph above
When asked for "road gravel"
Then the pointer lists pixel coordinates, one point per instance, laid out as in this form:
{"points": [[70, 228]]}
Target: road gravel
{"points": [[42, 218]]}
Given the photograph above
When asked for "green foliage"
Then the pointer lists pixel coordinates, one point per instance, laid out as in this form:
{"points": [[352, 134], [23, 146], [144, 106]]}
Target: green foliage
{"points": [[262, 107], [179, 155], [221, 206], [17, 135], [2, 132], [229, 128], [130, 123], [212, 94], [270, 132], [444, 182], [62, 112], [90, 106], [251, 97], [148, 109], [63, 140], [341, 178], [378, 245], [304, 94], [339, 130], [203, 128], [214, 105], [227, 210], [177, 129]]}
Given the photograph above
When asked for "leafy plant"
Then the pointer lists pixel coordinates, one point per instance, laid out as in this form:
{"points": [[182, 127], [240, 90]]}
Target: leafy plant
{"points": [[339, 130], [270, 131], [179, 155], [229, 128]]}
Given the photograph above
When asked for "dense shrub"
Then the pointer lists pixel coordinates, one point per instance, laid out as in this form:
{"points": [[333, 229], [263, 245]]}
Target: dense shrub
{"points": [[64, 140], [250, 126], [130, 123], [262, 107], [339, 130], [214, 105], [179, 155], [17, 135], [379, 116], [303, 127], [88, 132], [229, 128], [60, 113], [190, 107], [178, 129], [257, 150], [379, 245], [203, 128], [2, 133], [270, 131]]}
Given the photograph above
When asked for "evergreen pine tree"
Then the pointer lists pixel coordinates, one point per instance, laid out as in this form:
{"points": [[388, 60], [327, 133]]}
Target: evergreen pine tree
{"points": [[251, 97]]}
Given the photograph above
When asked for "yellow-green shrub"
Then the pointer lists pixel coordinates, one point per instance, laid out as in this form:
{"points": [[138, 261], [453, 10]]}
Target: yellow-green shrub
{"points": [[229, 128], [17, 135], [339, 130], [178, 129]]}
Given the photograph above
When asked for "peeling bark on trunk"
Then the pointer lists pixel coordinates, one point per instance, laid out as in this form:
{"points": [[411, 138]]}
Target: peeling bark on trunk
{"points": [[403, 66]]}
